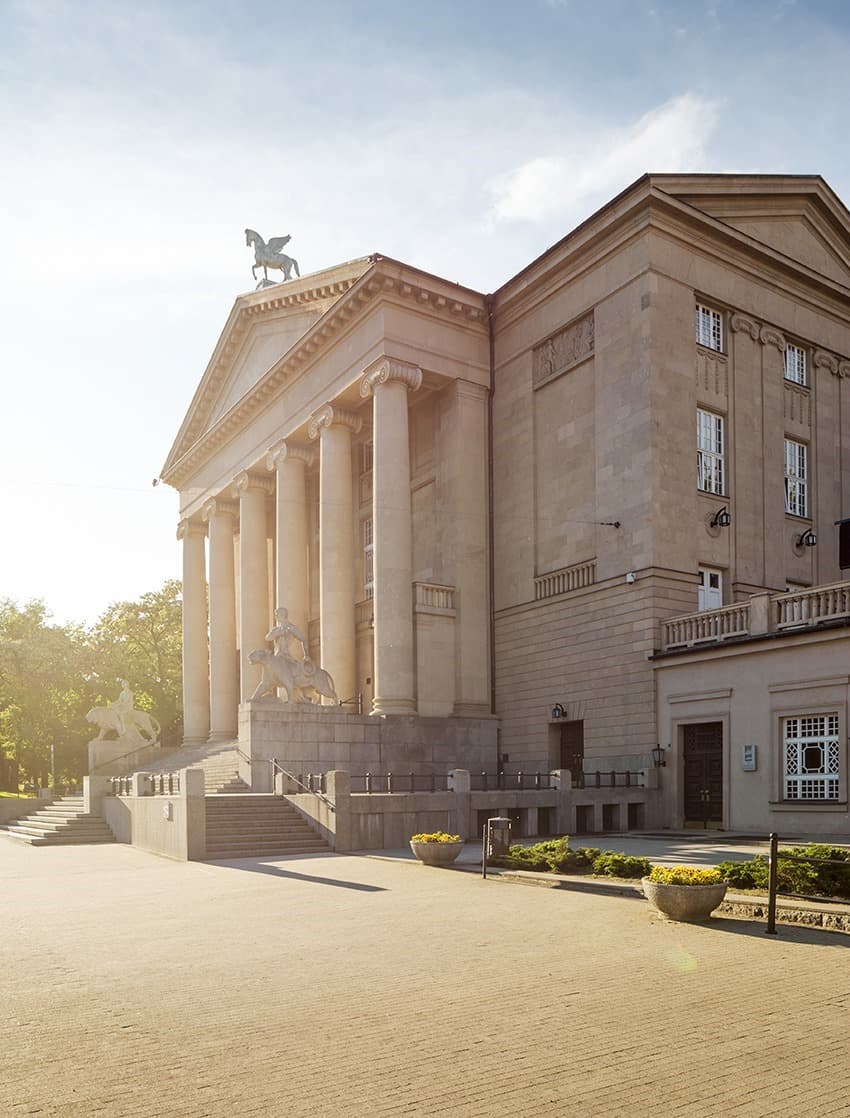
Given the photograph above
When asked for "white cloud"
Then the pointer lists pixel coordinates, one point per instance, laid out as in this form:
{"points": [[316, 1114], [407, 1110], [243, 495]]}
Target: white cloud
{"points": [[598, 162]]}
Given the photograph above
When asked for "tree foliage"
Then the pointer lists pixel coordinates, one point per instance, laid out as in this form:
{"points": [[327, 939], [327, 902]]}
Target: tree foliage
{"points": [[52, 675]]}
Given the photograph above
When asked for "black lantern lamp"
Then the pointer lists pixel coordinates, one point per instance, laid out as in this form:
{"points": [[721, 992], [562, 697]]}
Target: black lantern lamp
{"points": [[722, 518], [557, 711], [658, 757], [807, 539]]}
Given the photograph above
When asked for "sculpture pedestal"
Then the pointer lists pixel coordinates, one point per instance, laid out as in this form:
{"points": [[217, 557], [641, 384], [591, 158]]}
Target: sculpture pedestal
{"points": [[313, 739]]}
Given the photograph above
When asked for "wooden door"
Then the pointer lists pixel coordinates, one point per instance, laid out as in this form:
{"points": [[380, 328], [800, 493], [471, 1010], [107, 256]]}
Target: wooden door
{"points": [[703, 757], [572, 747]]}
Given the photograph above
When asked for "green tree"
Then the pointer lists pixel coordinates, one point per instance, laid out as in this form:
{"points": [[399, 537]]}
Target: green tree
{"points": [[44, 692], [142, 643]]}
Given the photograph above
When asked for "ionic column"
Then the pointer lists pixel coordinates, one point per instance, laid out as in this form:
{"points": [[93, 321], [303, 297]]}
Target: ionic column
{"points": [[292, 574], [224, 663], [333, 427], [254, 613], [196, 695], [388, 382]]}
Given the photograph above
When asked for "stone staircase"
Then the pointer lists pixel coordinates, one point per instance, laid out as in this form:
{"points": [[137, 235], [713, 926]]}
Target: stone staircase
{"points": [[220, 762], [61, 823], [244, 826]]}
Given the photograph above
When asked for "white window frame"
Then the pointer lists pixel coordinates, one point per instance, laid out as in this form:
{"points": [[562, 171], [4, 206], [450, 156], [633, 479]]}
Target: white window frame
{"points": [[709, 327], [795, 364], [367, 458], [811, 758], [711, 453], [368, 559], [710, 587], [796, 478]]}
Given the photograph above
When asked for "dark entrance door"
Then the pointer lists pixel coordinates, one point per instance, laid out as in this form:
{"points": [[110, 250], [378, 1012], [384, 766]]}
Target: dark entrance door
{"points": [[703, 755], [572, 748]]}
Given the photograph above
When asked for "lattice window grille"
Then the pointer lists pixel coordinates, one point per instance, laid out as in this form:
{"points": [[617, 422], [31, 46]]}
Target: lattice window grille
{"points": [[709, 328], [710, 453], [796, 478], [812, 757], [795, 364]]}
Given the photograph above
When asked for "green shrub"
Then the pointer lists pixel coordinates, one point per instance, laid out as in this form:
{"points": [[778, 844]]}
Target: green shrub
{"points": [[611, 864], [564, 860], [825, 881], [535, 858], [745, 875]]}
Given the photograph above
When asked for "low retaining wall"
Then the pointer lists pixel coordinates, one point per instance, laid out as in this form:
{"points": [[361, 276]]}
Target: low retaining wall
{"points": [[173, 825], [16, 808]]}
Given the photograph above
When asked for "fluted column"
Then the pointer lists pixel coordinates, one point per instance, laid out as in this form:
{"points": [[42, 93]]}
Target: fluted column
{"points": [[292, 574], [224, 663], [196, 695], [254, 613], [388, 383], [334, 427]]}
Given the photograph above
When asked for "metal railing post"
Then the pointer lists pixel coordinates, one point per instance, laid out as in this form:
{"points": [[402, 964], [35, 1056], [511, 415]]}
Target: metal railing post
{"points": [[771, 884]]}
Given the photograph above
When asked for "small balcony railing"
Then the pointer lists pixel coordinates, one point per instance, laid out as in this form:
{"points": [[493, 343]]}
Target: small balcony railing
{"points": [[707, 625]]}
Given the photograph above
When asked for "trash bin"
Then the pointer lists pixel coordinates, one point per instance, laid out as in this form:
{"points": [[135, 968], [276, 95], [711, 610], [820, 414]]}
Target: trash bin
{"points": [[498, 836]]}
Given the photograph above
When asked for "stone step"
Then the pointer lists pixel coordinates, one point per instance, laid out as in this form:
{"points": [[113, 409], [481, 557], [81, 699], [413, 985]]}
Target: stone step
{"points": [[257, 850], [61, 840], [65, 822]]}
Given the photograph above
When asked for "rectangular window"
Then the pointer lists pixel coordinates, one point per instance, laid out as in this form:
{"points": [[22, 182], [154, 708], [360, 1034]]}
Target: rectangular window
{"points": [[368, 453], [811, 757], [796, 478], [795, 364], [710, 452], [368, 561], [709, 327]]}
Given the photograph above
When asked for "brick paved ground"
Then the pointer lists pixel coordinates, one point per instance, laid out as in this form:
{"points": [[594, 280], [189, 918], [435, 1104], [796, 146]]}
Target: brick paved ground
{"points": [[354, 986]]}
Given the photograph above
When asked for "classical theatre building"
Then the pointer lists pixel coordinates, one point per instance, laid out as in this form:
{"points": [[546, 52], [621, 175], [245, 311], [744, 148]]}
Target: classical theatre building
{"points": [[589, 522]]}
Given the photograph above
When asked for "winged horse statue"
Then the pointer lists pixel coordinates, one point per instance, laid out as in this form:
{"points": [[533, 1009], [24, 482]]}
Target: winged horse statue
{"points": [[270, 256]]}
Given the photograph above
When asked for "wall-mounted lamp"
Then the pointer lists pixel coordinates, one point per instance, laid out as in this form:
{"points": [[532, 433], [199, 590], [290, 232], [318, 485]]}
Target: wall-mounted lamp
{"points": [[658, 757], [558, 711], [807, 539], [721, 519]]}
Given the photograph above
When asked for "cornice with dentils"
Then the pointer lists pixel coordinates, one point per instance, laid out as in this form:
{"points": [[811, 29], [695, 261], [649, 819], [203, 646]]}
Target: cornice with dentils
{"points": [[385, 279]]}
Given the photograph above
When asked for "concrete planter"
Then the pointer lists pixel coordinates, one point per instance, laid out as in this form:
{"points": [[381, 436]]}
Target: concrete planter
{"points": [[684, 902], [436, 853]]}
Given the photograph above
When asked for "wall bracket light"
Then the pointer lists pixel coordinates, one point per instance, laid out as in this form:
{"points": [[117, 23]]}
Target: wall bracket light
{"points": [[807, 539], [722, 518]]}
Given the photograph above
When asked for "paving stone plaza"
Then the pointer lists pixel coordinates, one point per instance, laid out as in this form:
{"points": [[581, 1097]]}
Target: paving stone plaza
{"points": [[346, 985]]}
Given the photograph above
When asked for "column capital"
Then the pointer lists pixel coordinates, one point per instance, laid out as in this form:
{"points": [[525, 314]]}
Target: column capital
{"points": [[189, 526], [247, 480], [384, 370], [740, 323], [770, 336], [219, 506], [331, 416], [843, 369], [283, 451]]}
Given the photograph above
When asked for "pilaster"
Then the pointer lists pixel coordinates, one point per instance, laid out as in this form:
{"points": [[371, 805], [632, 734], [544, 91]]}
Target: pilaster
{"points": [[196, 695], [254, 613], [289, 461], [220, 516]]}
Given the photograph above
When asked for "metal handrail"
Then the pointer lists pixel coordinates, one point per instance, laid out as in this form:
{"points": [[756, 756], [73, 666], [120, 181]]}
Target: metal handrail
{"points": [[277, 767], [773, 890]]}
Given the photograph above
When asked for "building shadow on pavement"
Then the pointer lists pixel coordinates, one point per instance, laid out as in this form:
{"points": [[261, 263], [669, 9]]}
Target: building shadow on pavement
{"points": [[786, 933], [276, 871]]}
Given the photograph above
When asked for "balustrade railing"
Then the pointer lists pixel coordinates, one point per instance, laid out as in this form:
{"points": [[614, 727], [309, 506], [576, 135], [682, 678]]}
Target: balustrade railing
{"points": [[608, 779], [812, 607], [433, 596], [565, 580], [778, 613], [708, 625], [158, 784]]}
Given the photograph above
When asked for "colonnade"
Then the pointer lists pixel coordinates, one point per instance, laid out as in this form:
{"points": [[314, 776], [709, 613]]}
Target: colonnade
{"points": [[216, 675]]}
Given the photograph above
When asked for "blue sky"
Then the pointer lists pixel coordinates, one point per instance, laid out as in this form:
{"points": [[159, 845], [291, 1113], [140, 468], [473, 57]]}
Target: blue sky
{"points": [[138, 141]]}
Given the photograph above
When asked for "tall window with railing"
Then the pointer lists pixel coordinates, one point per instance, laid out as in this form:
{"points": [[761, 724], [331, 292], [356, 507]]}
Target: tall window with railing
{"points": [[796, 478], [368, 560], [710, 453], [811, 757]]}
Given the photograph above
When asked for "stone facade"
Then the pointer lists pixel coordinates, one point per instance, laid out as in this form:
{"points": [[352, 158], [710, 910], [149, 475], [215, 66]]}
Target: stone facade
{"points": [[487, 507]]}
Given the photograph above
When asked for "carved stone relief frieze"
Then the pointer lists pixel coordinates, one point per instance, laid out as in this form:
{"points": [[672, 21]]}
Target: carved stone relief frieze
{"points": [[712, 374], [562, 351], [798, 406]]}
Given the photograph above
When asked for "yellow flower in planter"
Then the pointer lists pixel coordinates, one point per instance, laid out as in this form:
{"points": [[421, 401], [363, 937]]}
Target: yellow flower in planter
{"points": [[684, 875], [435, 836]]}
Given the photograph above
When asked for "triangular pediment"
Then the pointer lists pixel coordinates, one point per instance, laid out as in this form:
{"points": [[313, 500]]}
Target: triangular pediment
{"points": [[795, 215], [262, 327]]}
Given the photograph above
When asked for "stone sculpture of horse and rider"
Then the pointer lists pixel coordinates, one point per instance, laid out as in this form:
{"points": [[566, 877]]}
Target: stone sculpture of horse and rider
{"points": [[300, 678], [131, 726]]}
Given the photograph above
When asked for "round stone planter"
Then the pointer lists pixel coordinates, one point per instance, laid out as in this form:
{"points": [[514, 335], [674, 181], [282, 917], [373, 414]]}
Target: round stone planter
{"points": [[684, 902], [436, 853]]}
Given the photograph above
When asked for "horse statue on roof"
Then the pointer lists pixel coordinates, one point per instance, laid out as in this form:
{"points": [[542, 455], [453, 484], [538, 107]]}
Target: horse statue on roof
{"points": [[270, 256]]}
